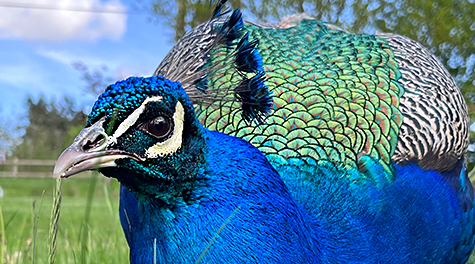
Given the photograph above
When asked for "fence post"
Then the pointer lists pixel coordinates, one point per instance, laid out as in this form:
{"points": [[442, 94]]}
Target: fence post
{"points": [[15, 167]]}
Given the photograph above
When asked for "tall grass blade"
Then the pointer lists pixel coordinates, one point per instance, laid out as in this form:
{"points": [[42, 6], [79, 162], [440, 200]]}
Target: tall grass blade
{"points": [[7, 223], [85, 226], [154, 251], [108, 196], [35, 232], [54, 222], [217, 234], [2, 237]]}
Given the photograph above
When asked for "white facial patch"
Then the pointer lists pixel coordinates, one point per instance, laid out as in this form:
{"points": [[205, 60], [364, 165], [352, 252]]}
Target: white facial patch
{"points": [[173, 144], [131, 119]]}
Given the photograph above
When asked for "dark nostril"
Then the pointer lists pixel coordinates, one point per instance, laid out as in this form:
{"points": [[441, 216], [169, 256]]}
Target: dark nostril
{"points": [[92, 144]]}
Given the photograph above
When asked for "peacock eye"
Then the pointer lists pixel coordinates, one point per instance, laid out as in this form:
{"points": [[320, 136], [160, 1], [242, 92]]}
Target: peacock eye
{"points": [[160, 127]]}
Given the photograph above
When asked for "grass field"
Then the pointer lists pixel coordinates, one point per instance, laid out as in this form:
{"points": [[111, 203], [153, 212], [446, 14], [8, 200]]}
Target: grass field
{"points": [[99, 240]]}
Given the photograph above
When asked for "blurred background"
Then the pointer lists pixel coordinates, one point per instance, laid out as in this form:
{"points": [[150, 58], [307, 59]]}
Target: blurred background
{"points": [[57, 56]]}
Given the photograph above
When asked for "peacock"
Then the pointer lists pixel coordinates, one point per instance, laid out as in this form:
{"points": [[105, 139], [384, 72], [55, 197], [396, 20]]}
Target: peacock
{"points": [[289, 142]]}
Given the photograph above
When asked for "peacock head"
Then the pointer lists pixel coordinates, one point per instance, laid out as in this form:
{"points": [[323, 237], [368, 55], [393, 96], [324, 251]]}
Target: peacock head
{"points": [[144, 132]]}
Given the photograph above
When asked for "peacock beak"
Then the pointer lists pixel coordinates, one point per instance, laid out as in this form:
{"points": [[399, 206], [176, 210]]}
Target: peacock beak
{"points": [[88, 152]]}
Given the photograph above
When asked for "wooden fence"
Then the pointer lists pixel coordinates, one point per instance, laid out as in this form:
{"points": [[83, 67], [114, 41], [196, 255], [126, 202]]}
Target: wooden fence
{"points": [[10, 168]]}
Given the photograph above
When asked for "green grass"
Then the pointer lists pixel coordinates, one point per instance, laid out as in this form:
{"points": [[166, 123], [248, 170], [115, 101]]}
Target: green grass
{"points": [[102, 241]]}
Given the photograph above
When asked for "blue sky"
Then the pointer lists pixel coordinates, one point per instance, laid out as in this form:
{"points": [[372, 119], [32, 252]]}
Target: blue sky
{"points": [[38, 46]]}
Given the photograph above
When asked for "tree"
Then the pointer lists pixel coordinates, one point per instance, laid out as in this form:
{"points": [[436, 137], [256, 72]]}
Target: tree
{"points": [[52, 127], [8, 134], [96, 79]]}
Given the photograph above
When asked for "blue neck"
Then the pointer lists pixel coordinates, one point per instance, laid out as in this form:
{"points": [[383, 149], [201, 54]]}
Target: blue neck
{"points": [[252, 207]]}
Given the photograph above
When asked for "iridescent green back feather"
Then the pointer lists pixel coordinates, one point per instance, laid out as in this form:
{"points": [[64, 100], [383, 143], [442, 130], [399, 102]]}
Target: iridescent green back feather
{"points": [[335, 98]]}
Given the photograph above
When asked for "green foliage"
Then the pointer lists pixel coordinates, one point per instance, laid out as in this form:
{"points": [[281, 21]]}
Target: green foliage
{"points": [[52, 127], [184, 16], [8, 133], [96, 79]]}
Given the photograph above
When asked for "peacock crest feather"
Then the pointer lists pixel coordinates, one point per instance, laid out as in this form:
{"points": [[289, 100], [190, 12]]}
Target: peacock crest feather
{"points": [[220, 51]]}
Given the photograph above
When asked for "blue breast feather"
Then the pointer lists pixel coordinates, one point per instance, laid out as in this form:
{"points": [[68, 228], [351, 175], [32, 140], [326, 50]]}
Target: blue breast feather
{"points": [[249, 214]]}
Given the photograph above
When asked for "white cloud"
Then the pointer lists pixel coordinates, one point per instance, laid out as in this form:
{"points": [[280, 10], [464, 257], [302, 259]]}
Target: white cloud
{"points": [[119, 67], [61, 25], [67, 58]]}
